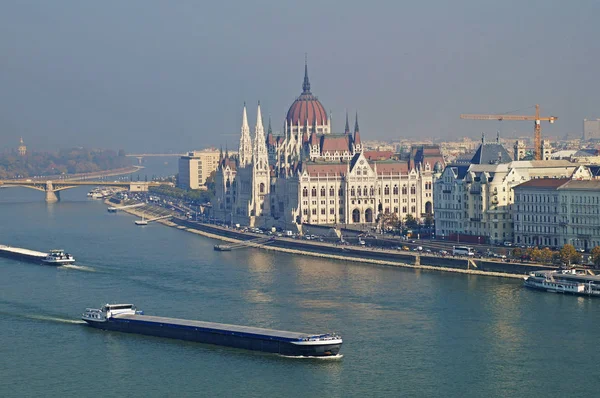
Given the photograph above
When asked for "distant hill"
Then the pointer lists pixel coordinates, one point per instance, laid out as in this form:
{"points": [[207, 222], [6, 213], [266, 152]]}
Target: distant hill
{"points": [[65, 161]]}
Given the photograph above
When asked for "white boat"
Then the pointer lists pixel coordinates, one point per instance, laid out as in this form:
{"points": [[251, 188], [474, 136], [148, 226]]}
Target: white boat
{"points": [[558, 282], [58, 257]]}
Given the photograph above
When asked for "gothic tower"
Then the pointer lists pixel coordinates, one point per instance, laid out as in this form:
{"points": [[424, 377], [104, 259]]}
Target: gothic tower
{"points": [[245, 150]]}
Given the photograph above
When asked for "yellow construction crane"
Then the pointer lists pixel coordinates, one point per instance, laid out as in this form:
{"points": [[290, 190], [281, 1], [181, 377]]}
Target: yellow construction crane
{"points": [[537, 129]]}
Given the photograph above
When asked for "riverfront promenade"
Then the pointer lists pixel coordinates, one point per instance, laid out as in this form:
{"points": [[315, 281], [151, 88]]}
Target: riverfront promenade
{"points": [[375, 256]]}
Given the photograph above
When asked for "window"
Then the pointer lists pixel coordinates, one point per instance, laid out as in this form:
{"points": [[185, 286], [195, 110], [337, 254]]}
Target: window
{"points": [[313, 192], [314, 212], [331, 191], [262, 188], [304, 192], [323, 191], [395, 190], [404, 190], [387, 190], [413, 190], [322, 212]]}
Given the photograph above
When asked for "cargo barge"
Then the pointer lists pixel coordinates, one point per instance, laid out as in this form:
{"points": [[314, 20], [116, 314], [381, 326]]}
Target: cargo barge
{"points": [[125, 318], [54, 257]]}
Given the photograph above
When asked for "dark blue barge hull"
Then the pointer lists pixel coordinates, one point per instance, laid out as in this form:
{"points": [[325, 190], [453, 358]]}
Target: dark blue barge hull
{"points": [[257, 339]]}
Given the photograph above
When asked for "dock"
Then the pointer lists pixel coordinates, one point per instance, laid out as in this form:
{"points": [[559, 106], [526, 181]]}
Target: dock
{"points": [[258, 242], [114, 209], [20, 253]]}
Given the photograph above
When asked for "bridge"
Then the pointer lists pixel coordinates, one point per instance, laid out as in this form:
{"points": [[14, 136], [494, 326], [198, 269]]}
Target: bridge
{"points": [[53, 188], [140, 156]]}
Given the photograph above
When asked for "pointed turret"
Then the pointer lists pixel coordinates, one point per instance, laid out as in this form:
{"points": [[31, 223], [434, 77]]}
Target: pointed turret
{"points": [[356, 143], [347, 128], [269, 129], [306, 83], [245, 150], [356, 131], [260, 155]]}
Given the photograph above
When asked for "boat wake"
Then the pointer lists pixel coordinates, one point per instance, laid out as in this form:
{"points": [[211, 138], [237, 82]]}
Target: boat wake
{"points": [[54, 319], [44, 318], [329, 358], [78, 267]]}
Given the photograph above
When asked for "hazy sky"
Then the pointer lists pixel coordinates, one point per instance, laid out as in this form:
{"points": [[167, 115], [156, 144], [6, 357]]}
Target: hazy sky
{"points": [[157, 75]]}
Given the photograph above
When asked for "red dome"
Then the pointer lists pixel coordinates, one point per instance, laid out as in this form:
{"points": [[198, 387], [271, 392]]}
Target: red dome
{"points": [[307, 108]]}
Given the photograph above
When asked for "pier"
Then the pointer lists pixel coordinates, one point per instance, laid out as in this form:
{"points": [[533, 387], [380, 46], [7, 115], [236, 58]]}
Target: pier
{"points": [[258, 242], [114, 209]]}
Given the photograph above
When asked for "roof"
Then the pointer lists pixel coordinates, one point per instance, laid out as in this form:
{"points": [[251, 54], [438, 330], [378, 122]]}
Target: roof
{"points": [[325, 168], [543, 183], [378, 155], [392, 167], [335, 143], [588, 185], [491, 153]]}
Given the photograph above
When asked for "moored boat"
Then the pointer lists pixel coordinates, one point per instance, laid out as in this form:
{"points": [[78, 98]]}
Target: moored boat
{"points": [[561, 282], [125, 318]]}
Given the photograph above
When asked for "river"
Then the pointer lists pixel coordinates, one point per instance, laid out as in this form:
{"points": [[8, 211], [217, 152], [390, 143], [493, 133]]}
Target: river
{"points": [[406, 332]]}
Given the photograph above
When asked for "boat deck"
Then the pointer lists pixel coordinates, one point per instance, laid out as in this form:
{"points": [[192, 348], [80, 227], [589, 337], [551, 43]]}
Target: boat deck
{"points": [[218, 326], [25, 252]]}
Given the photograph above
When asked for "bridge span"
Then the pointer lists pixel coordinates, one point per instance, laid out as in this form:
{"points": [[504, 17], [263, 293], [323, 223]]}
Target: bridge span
{"points": [[53, 188]]}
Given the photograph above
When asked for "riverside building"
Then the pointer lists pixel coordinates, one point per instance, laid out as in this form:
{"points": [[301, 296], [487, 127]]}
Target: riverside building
{"points": [[195, 168], [554, 212], [309, 175], [473, 200]]}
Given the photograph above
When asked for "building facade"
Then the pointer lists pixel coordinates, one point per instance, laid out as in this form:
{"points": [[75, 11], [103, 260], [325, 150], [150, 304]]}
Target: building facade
{"points": [[309, 175], [473, 201], [591, 129], [555, 212], [195, 168]]}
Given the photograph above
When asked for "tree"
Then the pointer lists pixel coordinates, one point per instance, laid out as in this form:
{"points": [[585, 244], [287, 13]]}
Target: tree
{"points": [[428, 222], [596, 256], [568, 254], [410, 221], [545, 255], [517, 253]]}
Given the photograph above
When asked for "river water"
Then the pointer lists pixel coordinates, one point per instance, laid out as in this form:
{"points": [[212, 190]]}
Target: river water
{"points": [[406, 333]]}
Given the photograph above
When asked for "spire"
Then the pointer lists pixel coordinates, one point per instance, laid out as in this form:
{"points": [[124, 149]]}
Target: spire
{"points": [[306, 84], [347, 129], [269, 129], [356, 140], [259, 124], [226, 152], [221, 154], [497, 137], [483, 138], [260, 156], [245, 149]]}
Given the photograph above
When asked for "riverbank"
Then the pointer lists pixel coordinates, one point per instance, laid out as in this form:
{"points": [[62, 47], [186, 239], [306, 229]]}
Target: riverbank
{"points": [[355, 254]]}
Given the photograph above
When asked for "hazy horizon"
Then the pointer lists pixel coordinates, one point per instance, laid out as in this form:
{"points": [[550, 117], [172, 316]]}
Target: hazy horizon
{"points": [[155, 76]]}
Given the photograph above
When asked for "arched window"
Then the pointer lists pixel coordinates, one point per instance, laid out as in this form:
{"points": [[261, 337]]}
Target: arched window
{"points": [[322, 191], [304, 192], [313, 192], [365, 191], [352, 192], [331, 191], [413, 190], [358, 190], [403, 209], [386, 190], [413, 209], [262, 188], [395, 189], [404, 190], [371, 191]]}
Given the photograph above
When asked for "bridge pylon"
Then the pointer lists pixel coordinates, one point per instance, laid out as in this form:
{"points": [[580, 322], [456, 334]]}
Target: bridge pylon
{"points": [[52, 196]]}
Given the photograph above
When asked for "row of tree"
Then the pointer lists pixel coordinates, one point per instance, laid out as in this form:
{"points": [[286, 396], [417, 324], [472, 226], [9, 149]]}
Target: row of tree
{"points": [[567, 255], [65, 161], [197, 196]]}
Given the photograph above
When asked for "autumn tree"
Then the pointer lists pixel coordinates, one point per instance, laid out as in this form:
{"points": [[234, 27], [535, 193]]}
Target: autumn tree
{"points": [[568, 255], [596, 256]]}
